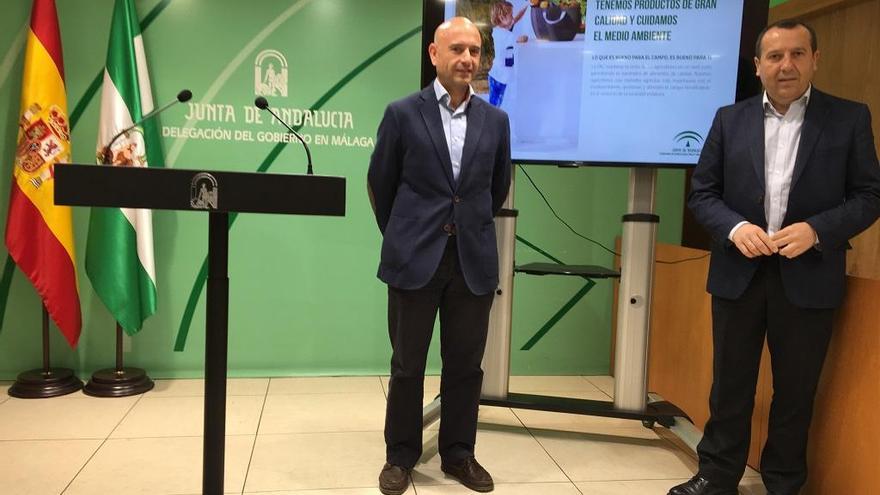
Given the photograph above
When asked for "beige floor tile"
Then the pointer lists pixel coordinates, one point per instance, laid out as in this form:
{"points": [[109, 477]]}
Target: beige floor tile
{"points": [[656, 487], [642, 487], [678, 443], [247, 386], [158, 466], [432, 387], [54, 419], [316, 461], [196, 387], [572, 422], [618, 454], [752, 486], [567, 394], [751, 473], [325, 385], [333, 491], [605, 456], [178, 388], [603, 383], [511, 455], [36, 467], [547, 384], [184, 416], [505, 489], [626, 430], [315, 413], [490, 416], [383, 381]]}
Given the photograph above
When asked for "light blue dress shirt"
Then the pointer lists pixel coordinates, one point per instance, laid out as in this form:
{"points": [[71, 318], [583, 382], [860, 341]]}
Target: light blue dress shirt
{"points": [[454, 124]]}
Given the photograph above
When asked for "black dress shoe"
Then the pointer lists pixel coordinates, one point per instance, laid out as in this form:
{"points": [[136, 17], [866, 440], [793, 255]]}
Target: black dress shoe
{"points": [[470, 474], [700, 486], [393, 480]]}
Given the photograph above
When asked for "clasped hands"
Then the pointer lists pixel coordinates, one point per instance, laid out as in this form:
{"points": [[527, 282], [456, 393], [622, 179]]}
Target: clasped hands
{"points": [[791, 242]]}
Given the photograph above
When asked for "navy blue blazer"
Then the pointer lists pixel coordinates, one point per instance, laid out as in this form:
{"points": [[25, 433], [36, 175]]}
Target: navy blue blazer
{"points": [[835, 188], [416, 198]]}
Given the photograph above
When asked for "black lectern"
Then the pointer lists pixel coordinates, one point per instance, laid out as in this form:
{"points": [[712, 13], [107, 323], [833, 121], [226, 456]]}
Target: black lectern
{"points": [[217, 193]]}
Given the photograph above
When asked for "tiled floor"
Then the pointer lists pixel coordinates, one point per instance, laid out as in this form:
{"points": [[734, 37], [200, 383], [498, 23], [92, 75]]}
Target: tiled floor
{"points": [[321, 436]]}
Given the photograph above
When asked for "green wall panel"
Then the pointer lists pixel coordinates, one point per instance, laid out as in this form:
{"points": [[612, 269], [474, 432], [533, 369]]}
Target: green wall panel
{"points": [[304, 298]]}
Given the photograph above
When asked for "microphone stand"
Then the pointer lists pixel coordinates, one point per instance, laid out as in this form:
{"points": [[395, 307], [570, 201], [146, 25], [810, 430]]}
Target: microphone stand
{"points": [[106, 153], [263, 104]]}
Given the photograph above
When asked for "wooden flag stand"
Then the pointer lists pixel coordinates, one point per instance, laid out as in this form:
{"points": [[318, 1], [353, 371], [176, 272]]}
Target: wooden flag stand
{"points": [[119, 381], [46, 382]]}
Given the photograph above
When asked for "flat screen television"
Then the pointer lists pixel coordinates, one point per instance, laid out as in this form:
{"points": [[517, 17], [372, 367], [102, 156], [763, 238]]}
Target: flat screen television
{"points": [[609, 82]]}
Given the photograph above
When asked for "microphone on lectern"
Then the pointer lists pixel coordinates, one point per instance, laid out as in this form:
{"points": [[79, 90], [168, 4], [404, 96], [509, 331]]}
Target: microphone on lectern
{"points": [[182, 97], [263, 104]]}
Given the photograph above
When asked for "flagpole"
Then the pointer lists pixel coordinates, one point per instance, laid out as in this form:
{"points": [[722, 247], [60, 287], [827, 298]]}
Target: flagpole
{"points": [[46, 382], [119, 381], [118, 347], [46, 368]]}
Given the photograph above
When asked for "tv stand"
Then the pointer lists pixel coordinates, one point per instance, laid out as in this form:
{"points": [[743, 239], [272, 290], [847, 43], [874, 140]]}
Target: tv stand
{"points": [[631, 399]]}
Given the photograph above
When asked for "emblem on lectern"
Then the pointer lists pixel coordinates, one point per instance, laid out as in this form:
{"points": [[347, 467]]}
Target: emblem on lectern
{"points": [[203, 192]]}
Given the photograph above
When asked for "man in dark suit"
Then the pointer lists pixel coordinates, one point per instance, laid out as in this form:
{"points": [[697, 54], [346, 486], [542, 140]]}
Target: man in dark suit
{"points": [[439, 173], [783, 182]]}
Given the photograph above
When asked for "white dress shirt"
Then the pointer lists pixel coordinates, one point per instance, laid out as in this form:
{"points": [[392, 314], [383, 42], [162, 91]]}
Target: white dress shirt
{"points": [[782, 136]]}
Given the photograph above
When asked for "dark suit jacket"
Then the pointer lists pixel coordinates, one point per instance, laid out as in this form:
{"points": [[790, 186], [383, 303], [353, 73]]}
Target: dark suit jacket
{"points": [[835, 188], [415, 195]]}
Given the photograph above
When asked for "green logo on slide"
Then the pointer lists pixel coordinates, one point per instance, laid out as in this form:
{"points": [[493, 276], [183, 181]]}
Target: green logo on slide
{"points": [[688, 139], [686, 143]]}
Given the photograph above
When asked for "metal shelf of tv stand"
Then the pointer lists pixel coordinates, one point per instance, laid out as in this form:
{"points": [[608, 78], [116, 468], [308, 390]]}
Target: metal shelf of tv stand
{"points": [[588, 271], [660, 412]]}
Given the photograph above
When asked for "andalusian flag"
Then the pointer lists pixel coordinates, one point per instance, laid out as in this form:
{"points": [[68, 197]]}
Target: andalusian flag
{"points": [[119, 256], [39, 234]]}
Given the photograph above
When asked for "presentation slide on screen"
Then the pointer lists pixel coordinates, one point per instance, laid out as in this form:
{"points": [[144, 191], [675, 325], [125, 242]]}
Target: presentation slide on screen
{"points": [[626, 81]]}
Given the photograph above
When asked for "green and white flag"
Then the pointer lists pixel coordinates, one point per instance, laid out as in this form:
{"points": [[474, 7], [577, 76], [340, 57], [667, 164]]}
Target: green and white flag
{"points": [[119, 255]]}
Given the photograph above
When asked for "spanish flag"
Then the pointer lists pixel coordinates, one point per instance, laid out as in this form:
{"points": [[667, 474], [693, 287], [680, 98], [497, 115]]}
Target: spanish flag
{"points": [[39, 233]]}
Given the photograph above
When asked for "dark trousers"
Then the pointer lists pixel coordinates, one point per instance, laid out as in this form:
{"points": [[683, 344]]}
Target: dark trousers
{"points": [[798, 340], [464, 323]]}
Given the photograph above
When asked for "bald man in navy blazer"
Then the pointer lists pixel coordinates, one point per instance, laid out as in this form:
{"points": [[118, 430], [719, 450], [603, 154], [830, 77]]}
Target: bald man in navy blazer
{"points": [[784, 180], [439, 173]]}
